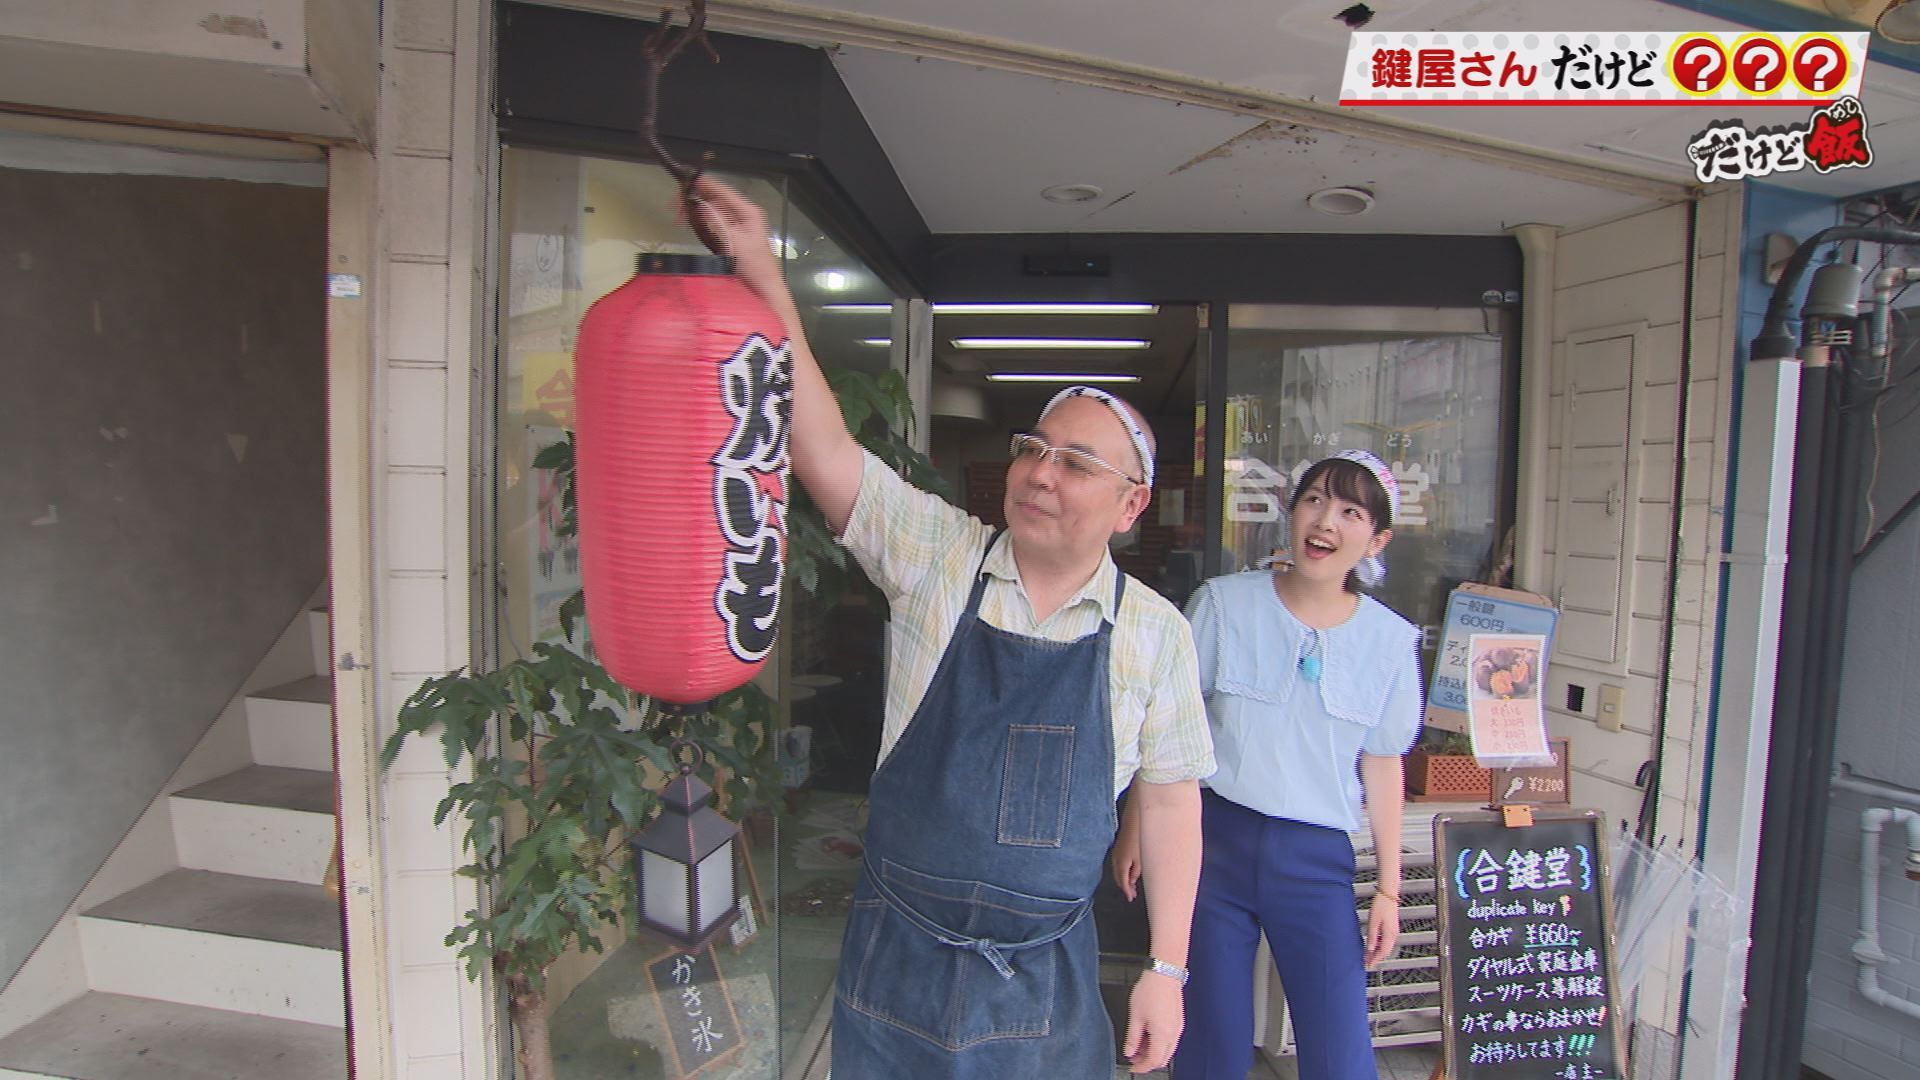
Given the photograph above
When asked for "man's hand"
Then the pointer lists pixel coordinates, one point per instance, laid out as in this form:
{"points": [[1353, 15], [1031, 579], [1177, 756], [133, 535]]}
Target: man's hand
{"points": [[825, 458], [1156, 1014], [1383, 928], [741, 229]]}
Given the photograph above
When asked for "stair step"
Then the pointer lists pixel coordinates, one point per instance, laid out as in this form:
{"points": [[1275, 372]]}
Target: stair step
{"points": [[261, 821], [221, 941], [112, 1037], [291, 726], [320, 636]]}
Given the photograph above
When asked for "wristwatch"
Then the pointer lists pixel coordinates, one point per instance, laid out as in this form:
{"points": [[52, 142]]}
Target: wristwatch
{"points": [[1172, 971]]}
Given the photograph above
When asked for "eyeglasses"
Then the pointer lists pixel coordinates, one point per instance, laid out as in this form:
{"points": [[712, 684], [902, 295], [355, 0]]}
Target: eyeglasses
{"points": [[1077, 462]]}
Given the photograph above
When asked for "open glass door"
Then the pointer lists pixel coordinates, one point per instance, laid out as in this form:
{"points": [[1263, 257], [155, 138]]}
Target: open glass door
{"points": [[1427, 389]]}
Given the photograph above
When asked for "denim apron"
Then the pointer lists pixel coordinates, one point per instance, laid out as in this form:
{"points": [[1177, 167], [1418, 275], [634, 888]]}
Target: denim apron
{"points": [[968, 952]]}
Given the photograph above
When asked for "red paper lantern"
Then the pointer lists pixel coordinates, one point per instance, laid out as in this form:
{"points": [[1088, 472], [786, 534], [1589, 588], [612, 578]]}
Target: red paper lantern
{"points": [[685, 393]]}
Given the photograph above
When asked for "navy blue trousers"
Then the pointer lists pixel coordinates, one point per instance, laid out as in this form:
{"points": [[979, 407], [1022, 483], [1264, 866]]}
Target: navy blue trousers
{"points": [[1295, 882]]}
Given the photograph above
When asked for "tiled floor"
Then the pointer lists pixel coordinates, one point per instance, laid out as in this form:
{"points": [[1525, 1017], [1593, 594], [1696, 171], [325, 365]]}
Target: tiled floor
{"points": [[1399, 1063]]}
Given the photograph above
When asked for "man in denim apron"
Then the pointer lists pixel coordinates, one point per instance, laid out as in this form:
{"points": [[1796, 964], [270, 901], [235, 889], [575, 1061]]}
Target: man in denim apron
{"points": [[1028, 682]]}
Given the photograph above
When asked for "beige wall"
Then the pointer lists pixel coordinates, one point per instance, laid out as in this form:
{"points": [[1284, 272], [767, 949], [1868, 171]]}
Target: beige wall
{"points": [[434, 156], [1618, 329]]}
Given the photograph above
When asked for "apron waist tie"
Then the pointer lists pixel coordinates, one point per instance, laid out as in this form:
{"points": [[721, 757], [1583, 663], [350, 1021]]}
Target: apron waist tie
{"points": [[995, 952]]}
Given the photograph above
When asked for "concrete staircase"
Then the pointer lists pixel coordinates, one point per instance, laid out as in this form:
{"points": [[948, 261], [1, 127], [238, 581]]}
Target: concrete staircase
{"points": [[228, 964]]}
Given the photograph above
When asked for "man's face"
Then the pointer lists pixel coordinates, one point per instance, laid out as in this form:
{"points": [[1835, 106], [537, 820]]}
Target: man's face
{"points": [[1058, 511]]}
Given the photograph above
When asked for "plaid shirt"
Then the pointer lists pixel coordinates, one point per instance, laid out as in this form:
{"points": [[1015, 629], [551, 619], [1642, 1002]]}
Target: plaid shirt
{"points": [[922, 552]]}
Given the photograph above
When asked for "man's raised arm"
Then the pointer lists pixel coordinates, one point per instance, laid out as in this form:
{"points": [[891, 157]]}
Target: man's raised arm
{"points": [[825, 456]]}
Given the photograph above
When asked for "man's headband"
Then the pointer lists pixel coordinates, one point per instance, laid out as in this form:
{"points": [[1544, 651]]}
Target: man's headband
{"points": [[1134, 433]]}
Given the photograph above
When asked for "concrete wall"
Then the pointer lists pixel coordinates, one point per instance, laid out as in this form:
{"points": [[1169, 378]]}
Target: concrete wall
{"points": [[163, 503], [1619, 327], [1847, 1036], [301, 66]]}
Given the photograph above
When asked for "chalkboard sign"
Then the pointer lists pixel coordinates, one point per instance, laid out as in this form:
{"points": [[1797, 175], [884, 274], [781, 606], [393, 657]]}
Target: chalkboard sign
{"points": [[702, 1027], [1526, 948]]}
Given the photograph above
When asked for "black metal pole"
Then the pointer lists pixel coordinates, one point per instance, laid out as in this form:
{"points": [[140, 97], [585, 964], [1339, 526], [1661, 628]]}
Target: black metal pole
{"points": [[1826, 652], [1763, 1032], [1213, 392], [1821, 540]]}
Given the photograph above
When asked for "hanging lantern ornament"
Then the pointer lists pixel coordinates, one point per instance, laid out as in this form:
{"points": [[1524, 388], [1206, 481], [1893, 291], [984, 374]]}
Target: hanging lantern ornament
{"points": [[685, 389], [686, 862]]}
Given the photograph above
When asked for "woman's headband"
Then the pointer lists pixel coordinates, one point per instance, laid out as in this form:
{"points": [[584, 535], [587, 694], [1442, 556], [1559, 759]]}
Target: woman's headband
{"points": [[1381, 472]]}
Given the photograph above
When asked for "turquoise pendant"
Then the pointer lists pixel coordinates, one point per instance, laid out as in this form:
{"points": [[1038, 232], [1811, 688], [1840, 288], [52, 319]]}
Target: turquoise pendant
{"points": [[1310, 668]]}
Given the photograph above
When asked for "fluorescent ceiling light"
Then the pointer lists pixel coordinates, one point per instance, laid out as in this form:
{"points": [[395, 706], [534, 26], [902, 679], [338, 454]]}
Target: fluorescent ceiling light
{"points": [[1003, 309], [833, 280], [1046, 309], [876, 341], [1059, 377], [1050, 343]]}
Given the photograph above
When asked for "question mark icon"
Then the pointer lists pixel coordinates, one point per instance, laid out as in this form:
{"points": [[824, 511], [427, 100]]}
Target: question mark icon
{"points": [[1818, 65], [1704, 64], [1755, 62], [1827, 63]]}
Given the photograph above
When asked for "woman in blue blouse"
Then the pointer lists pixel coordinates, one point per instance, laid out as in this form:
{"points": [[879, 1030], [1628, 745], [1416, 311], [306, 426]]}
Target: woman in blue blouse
{"points": [[1313, 695]]}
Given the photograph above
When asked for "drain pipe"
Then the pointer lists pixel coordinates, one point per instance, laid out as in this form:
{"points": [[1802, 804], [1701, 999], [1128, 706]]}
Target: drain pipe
{"points": [[1867, 950], [1845, 779], [1537, 245], [1885, 284]]}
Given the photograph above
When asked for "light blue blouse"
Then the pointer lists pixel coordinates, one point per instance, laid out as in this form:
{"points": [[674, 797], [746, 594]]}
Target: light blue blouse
{"points": [[1286, 746]]}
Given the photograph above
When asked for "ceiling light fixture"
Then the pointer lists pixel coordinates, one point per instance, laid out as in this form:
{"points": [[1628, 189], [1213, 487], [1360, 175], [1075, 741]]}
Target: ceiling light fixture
{"points": [[876, 341], [1046, 309], [1341, 201], [1071, 193], [1058, 377], [1900, 21], [1050, 343], [833, 280], [858, 309]]}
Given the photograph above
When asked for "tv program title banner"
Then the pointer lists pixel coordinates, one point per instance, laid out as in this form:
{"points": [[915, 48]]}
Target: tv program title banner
{"points": [[1592, 68]]}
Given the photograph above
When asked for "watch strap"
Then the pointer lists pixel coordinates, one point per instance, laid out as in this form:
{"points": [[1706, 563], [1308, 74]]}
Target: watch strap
{"points": [[1172, 971]]}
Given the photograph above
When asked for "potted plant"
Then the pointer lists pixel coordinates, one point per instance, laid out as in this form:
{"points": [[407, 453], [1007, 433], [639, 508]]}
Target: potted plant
{"points": [[564, 762]]}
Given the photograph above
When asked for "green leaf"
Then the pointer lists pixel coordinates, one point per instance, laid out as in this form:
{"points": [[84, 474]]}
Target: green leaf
{"points": [[573, 610]]}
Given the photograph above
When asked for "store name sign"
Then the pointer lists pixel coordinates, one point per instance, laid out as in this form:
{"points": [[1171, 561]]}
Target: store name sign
{"points": [[1602, 68]]}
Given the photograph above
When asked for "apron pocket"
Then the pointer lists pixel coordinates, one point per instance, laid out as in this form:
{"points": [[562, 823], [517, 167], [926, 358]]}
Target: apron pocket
{"points": [[1036, 785], [896, 973]]}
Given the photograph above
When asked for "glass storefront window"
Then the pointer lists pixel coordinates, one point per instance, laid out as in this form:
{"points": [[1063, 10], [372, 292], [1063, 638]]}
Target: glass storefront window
{"points": [[1425, 389], [572, 225]]}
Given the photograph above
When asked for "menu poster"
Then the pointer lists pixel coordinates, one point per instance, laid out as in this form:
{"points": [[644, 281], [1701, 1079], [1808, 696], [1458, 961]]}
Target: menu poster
{"points": [[1479, 609], [1504, 716], [1526, 949]]}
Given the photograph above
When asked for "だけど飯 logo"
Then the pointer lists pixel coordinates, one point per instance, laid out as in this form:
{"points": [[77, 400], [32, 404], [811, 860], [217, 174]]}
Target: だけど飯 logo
{"points": [[1834, 137]]}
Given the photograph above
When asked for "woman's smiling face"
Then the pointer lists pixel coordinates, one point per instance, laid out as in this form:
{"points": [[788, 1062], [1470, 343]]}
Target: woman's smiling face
{"points": [[1331, 534]]}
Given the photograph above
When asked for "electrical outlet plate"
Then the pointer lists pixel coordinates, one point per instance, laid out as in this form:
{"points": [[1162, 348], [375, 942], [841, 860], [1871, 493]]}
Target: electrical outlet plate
{"points": [[1613, 708]]}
